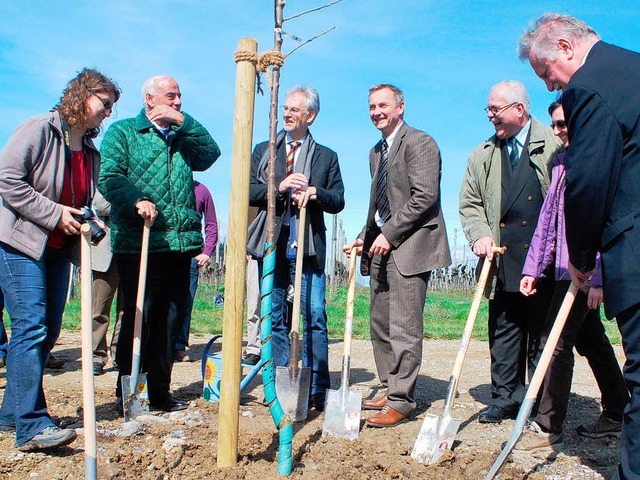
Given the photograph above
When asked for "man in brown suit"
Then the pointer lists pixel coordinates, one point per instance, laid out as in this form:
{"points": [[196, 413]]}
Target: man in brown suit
{"points": [[403, 240]]}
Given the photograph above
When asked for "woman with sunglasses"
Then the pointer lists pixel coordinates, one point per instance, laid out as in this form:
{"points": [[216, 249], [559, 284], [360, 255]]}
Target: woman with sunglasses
{"points": [[48, 172], [548, 255]]}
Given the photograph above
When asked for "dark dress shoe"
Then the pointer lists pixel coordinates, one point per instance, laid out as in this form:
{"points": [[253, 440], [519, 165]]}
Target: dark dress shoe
{"points": [[250, 359], [98, 368], [375, 403], [54, 363], [169, 404], [387, 417], [495, 414], [317, 400]]}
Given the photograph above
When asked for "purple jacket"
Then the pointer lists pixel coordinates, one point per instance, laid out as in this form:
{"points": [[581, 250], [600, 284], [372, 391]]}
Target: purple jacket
{"points": [[205, 207], [550, 234]]}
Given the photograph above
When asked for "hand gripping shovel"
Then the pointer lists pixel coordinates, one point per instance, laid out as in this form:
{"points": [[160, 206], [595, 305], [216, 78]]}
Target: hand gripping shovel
{"points": [[292, 382], [135, 396], [343, 406], [536, 380], [438, 433]]}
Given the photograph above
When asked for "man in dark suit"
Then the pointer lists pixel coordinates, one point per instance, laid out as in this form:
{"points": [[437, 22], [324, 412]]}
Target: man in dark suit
{"points": [[502, 191], [602, 206], [307, 174], [403, 240]]}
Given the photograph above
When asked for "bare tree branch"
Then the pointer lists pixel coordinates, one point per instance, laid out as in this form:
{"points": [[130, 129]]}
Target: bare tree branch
{"points": [[312, 10], [310, 40]]}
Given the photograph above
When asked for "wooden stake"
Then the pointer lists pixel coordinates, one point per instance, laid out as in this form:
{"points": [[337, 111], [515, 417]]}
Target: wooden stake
{"points": [[88, 395], [233, 318]]}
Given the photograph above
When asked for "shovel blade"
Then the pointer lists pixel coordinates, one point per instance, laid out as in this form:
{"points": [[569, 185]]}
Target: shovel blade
{"points": [[436, 435], [293, 391], [342, 413], [135, 402]]}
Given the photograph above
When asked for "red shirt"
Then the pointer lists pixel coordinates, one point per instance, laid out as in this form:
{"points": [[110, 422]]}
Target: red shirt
{"points": [[73, 194]]}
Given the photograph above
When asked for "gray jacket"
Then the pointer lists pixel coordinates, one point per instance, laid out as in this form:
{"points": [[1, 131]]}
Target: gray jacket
{"points": [[31, 176]]}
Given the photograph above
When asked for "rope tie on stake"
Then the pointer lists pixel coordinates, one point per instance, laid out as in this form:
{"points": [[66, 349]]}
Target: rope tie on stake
{"points": [[262, 62]]}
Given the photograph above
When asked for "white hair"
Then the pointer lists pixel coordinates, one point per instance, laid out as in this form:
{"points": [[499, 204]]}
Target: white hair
{"points": [[149, 86], [514, 91], [541, 38]]}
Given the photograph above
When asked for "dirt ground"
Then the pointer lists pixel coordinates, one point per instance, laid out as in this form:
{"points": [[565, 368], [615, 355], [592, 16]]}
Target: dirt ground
{"points": [[183, 445]]}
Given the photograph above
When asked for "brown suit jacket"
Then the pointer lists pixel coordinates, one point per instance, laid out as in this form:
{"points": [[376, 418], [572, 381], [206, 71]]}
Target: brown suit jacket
{"points": [[416, 229]]}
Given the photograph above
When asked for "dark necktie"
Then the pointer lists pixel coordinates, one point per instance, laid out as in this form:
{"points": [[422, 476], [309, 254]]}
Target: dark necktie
{"points": [[293, 146], [514, 154], [382, 200]]}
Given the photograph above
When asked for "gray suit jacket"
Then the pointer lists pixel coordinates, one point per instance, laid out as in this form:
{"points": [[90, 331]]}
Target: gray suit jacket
{"points": [[416, 229]]}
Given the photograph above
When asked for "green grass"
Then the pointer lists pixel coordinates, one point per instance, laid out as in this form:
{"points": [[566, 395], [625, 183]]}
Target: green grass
{"points": [[445, 315]]}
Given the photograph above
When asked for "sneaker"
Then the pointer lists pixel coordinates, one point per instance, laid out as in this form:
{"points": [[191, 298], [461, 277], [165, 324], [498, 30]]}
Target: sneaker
{"points": [[3, 362], [50, 437], [534, 440], [605, 426], [181, 356], [7, 428]]}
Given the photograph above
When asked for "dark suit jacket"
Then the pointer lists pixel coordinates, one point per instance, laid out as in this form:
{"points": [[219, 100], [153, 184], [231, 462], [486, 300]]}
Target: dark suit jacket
{"points": [[602, 200], [416, 228], [324, 175]]}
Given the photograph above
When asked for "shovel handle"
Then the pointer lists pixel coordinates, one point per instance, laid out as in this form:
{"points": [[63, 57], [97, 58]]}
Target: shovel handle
{"points": [[351, 295], [142, 283], [297, 287], [536, 380], [468, 329]]}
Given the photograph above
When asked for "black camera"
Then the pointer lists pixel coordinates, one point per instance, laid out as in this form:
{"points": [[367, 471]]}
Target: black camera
{"points": [[95, 225]]}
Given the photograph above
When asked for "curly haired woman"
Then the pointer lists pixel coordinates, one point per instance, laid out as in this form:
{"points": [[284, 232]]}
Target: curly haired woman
{"points": [[48, 172]]}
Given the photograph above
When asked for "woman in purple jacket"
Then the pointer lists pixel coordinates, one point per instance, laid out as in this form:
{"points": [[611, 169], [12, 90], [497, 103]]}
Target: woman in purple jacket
{"points": [[548, 255]]}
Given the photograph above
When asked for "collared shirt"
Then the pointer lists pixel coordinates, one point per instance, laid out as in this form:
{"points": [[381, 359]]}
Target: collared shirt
{"points": [[521, 137], [378, 219]]}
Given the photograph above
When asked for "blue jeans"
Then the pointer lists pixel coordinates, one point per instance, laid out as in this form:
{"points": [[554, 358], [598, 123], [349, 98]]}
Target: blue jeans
{"points": [[182, 340], [34, 292], [315, 344], [4, 341]]}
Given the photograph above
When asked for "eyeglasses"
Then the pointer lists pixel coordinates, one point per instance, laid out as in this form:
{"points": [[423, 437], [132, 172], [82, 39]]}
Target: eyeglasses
{"points": [[106, 103], [559, 124], [496, 110]]}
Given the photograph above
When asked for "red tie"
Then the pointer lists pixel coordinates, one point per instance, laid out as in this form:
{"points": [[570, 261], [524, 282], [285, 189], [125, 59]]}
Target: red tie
{"points": [[293, 146]]}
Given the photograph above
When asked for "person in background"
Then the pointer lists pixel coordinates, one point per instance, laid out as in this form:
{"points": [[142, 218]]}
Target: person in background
{"points": [[206, 208], [583, 328], [502, 191], [48, 172], [147, 173], [602, 206], [251, 355], [404, 239], [104, 288]]}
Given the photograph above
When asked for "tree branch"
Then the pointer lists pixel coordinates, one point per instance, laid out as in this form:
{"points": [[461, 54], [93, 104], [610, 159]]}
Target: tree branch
{"points": [[312, 10], [310, 40]]}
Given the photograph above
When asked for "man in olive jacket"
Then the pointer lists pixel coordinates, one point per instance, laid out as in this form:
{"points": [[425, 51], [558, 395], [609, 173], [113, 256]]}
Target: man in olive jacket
{"points": [[502, 192], [147, 165]]}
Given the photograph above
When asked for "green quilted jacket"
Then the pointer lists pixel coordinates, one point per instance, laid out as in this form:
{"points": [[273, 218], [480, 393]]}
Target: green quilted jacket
{"points": [[138, 163]]}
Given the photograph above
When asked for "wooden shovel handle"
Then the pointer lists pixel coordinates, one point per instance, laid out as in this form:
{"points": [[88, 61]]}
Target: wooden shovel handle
{"points": [[297, 283], [351, 294], [142, 283]]}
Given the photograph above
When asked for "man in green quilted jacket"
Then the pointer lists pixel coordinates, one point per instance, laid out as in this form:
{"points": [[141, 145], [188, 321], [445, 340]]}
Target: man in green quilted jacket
{"points": [[147, 172]]}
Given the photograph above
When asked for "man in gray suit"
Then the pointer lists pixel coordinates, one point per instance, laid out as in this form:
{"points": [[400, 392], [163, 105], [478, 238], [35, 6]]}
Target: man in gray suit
{"points": [[403, 240]]}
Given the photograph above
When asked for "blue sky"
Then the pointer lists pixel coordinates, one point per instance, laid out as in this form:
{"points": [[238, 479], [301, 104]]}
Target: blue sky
{"points": [[445, 55]]}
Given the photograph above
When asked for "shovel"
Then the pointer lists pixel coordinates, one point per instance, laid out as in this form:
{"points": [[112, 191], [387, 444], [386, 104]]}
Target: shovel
{"points": [[438, 433], [135, 395], [536, 380], [343, 406], [293, 382]]}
